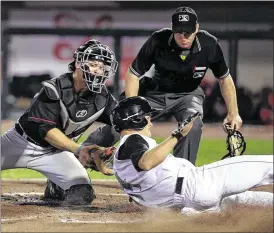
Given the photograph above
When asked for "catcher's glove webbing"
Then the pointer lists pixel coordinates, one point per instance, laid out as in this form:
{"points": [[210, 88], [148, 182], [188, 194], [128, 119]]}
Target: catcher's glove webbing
{"points": [[106, 156], [235, 142]]}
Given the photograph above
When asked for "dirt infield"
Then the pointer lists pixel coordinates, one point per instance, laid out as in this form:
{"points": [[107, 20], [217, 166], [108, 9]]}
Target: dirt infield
{"points": [[112, 212]]}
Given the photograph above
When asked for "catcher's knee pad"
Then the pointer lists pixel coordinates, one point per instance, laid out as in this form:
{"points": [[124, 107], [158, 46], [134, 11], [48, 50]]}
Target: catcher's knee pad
{"points": [[80, 194]]}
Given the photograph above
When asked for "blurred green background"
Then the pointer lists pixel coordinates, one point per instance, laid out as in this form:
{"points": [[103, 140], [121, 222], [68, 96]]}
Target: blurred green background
{"points": [[210, 150]]}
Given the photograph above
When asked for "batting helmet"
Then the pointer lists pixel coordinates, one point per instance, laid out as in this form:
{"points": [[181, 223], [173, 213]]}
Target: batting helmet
{"points": [[130, 113], [90, 51]]}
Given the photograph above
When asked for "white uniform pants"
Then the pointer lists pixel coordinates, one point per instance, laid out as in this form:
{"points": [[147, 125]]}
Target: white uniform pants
{"points": [[61, 167], [228, 180]]}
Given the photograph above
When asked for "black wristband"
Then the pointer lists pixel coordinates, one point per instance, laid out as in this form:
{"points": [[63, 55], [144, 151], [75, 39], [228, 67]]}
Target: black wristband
{"points": [[177, 134]]}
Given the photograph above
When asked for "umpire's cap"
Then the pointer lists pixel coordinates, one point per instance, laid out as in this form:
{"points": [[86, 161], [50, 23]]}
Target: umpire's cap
{"points": [[184, 19]]}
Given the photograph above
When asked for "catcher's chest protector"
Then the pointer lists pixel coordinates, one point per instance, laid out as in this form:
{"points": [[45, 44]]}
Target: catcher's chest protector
{"points": [[76, 116]]}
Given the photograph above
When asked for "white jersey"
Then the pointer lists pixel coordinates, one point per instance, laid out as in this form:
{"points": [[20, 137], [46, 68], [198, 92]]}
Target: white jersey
{"points": [[153, 188], [204, 188]]}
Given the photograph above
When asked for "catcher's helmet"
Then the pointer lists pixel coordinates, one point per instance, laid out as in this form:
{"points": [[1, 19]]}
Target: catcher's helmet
{"points": [[95, 50], [130, 113]]}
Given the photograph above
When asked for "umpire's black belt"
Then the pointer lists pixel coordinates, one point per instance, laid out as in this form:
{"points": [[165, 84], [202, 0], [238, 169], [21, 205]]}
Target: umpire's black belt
{"points": [[179, 184], [22, 133]]}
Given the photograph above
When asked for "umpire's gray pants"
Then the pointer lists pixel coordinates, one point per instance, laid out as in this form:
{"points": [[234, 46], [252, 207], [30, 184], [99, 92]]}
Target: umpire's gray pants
{"points": [[181, 106], [61, 167]]}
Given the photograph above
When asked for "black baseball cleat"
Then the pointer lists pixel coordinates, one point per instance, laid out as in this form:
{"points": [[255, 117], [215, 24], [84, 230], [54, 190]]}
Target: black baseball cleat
{"points": [[53, 192]]}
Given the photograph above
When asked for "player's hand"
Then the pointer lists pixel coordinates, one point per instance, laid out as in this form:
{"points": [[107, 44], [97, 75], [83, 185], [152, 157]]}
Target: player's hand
{"points": [[100, 164], [97, 158], [84, 154], [185, 128], [235, 122]]}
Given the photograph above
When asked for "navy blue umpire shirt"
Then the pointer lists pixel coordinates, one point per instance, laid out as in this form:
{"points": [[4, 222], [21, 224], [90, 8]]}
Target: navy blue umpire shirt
{"points": [[175, 72]]}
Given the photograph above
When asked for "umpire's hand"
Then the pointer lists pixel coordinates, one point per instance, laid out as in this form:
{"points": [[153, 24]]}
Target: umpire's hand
{"points": [[235, 122]]}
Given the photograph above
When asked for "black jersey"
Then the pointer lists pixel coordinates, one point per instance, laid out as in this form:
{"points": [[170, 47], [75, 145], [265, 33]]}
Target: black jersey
{"points": [[46, 112], [175, 72]]}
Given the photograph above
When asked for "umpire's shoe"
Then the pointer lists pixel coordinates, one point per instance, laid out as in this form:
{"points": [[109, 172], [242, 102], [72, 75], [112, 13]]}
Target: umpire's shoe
{"points": [[81, 194]]}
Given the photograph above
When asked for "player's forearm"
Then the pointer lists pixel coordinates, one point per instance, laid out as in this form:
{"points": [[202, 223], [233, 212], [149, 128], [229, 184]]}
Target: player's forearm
{"points": [[228, 91], [157, 155], [56, 138], [131, 84]]}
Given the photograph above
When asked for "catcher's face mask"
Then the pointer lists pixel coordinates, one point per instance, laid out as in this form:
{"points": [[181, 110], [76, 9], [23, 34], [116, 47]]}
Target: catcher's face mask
{"points": [[98, 64]]}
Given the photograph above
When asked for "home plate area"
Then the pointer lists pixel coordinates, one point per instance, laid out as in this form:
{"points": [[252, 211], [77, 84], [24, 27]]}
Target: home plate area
{"points": [[24, 210]]}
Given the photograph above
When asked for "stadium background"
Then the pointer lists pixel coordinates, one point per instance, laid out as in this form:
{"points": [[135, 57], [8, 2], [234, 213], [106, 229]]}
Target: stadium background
{"points": [[39, 38]]}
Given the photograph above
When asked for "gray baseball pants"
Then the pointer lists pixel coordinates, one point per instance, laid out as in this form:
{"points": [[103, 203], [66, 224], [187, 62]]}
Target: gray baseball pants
{"points": [[61, 167]]}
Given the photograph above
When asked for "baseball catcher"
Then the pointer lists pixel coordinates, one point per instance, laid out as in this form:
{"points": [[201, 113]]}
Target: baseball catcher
{"points": [[45, 137]]}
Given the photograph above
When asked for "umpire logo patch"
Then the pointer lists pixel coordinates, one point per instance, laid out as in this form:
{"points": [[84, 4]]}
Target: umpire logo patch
{"points": [[81, 113], [183, 18], [198, 74]]}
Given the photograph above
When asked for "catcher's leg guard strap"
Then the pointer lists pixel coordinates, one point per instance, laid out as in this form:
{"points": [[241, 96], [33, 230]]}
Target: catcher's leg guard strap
{"points": [[81, 194]]}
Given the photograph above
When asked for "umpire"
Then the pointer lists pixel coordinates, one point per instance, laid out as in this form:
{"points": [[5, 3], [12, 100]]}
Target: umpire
{"points": [[181, 56]]}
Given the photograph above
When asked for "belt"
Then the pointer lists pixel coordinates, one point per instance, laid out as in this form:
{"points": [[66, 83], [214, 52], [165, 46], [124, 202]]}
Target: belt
{"points": [[179, 184], [22, 133]]}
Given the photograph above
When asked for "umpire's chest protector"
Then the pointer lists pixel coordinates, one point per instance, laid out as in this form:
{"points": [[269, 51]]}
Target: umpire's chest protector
{"points": [[76, 116]]}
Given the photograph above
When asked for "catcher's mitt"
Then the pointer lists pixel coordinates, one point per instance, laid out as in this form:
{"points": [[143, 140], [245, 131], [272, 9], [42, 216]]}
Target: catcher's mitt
{"points": [[235, 142], [105, 156]]}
